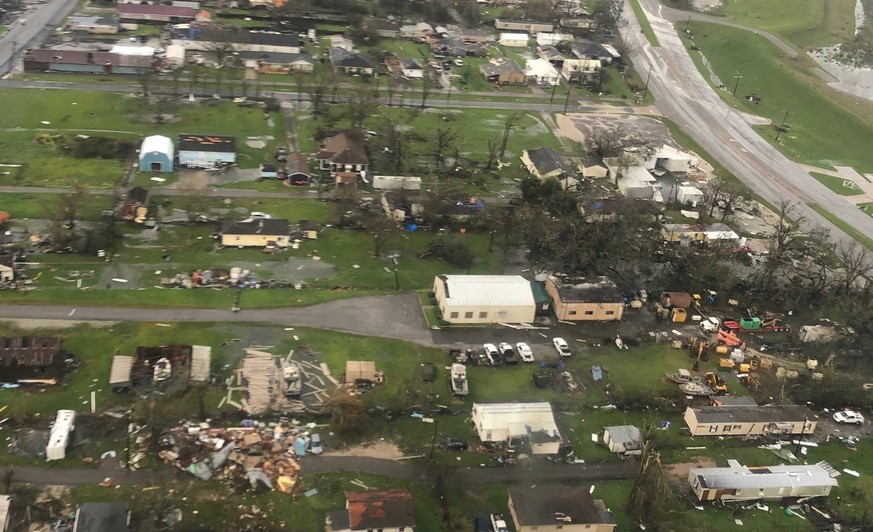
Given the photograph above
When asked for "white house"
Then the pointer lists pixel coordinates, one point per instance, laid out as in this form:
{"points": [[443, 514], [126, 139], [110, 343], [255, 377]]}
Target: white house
{"points": [[531, 422], [580, 70], [636, 182], [551, 39], [623, 439], [688, 195], [59, 435], [670, 159], [741, 483], [484, 298], [541, 72], [517, 40]]}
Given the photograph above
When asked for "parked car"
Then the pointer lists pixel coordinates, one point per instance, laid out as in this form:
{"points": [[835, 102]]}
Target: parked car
{"points": [[507, 353], [259, 214], [492, 353], [281, 154], [482, 524], [498, 523], [524, 351], [562, 347], [849, 417], [454, 444], [459, 62]]}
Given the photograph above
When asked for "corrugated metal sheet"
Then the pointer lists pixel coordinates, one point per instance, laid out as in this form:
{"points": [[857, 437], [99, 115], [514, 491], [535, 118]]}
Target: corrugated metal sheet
{"points": [[739, 477], [120, 372], [201, 361], [488, 290]]}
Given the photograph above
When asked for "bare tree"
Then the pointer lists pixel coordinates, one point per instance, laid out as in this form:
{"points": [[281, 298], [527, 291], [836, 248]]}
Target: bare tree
{"points": [[391, 89], [613, 142], [317, 93], [427, 86], [493, 147], [856, 263], [510, 124], [361, 104], [445, 138], [711, 193], [381, 229]]}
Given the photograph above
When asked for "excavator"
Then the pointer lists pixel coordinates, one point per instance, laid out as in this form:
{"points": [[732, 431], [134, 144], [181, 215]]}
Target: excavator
{"points": [[698, 349]]}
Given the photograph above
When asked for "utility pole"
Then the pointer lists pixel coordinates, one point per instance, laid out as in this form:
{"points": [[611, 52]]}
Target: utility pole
{"points": [[781, 126], [709, 55], [554, 88], [686, 23], [396, 279], [737, 79], [646, 88], [567, 99]]}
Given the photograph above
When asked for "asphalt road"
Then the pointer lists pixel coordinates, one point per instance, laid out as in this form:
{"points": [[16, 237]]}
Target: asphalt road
{"points": [[323, 464], [685, 97], [31, 27]]}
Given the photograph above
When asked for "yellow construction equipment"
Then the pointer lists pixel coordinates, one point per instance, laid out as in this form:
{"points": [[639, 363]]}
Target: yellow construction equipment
{"points": [[679, 315], [726, 363], [745, 368], [715, 382]]}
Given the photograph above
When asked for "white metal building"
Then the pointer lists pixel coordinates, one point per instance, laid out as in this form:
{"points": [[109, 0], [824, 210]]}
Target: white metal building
{"points": [[500, 422], [59, 436], [623, 439], [518, 40], [740, 483], [175, 56], [206, 151], [688, 195], [541, 72], [484, 298], [396, 182]]}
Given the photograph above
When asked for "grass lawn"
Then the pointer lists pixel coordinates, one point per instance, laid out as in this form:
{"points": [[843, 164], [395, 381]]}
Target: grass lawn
{"points": [[803, 22], [822, 132], [843, 226], [24, 205], [644, 23], [117, 116], [837, 184]]}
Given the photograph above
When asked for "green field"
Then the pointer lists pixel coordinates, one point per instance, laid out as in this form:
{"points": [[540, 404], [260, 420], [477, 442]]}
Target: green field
{"points": [[837, 184], [845, 227], [821, 130], [645, 25], [803, 22], [118, 116]]}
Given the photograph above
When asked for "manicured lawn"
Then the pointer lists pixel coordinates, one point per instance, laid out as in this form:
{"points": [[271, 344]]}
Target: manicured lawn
{"points": [[804, 22], [116, 116], [838, 184], [644, 23], [821, 132]]}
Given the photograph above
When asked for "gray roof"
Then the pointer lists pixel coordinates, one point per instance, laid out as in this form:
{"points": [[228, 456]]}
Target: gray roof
{"points": [[753, 414], [210, 143], [102, 517], [547, 160], [541, 505], [590, 49], [624, 434], [499, 66], [731, 401], [586, 290], [738, 476], [277, 57], [343, 57], [262, 38], [258, 226]]}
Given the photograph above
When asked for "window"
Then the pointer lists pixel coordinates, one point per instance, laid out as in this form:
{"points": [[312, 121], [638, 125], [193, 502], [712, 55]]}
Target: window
{"points": [[589, 312], [737, 427], [572, 313], [713, 428], [468, 315], [483, 315], [453, 315], [610, 312], [726, 428]]}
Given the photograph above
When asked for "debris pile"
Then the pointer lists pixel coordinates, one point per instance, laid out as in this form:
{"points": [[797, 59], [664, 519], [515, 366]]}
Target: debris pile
{"points": [[260, 453]]}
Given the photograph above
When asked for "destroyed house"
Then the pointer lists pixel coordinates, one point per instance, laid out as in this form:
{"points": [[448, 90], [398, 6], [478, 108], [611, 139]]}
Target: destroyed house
{"points": [[31, 359], [532, 423], [156, 364], [741, 483]]}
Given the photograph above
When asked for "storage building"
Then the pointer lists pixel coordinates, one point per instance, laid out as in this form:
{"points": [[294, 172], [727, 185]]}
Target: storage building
{"points": [[206, 151], [623, 439], [156, 154], [484, 298], [740, 483], [579, 299]]}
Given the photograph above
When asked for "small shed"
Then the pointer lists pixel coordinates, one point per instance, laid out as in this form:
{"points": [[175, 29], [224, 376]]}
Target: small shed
{"points": [[623, 439], [268, 171], [356, 370], [156, 154], [175, 56], [688, 195], [297, 169]]}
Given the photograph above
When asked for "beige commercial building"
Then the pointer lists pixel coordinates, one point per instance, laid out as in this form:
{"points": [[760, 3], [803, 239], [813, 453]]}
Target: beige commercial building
{"points": [[484, 298], [578, 299]]}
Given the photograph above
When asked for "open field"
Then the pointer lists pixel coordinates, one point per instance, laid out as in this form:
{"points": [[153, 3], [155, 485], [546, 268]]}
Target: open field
{"points": [[803, 22], [837, 184], [56, 112], [846, 228], [822, 131]]}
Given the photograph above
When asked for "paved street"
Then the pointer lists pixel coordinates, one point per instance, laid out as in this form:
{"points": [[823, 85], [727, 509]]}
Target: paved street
{"points": [[32, 27], [685, 97]]}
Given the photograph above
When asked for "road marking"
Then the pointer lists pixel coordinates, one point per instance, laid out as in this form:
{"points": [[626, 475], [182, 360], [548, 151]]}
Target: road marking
{"points": [[71, 313]]}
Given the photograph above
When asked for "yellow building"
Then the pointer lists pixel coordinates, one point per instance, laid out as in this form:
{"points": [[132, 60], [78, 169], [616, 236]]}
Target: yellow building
{"points": [[578, 299], [255, 232]]}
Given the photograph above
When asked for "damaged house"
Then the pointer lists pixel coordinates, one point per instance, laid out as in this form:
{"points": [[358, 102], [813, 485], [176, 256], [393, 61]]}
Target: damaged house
{"points": [[580, 299], [530, 423], [37, 360], [158, 365], [386, 510], [255, 232], [742, 483]]}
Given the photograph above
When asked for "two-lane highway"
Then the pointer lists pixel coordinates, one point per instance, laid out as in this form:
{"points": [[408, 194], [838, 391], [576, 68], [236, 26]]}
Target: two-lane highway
{"points": [[31, 27], [684, 96]]}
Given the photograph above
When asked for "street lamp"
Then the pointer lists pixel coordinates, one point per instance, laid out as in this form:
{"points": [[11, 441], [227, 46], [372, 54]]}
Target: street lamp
{"points": [[781, 127], [709, 56], [737, 79], [393, 258]]}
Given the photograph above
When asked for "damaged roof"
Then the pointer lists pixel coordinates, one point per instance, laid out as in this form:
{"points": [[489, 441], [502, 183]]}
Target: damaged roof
{"points": [[29, 350], [258, 226], [586, 290], [375, 509], [556, 506]]}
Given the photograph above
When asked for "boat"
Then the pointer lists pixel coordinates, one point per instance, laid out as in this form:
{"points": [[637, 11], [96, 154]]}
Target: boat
{"points": [[291, 378], [459, 379], [696, 388], [682, 376]]}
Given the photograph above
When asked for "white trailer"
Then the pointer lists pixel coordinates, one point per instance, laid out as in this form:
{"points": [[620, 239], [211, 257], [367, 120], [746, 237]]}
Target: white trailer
{"points": [[59, 436], [396, 182]]}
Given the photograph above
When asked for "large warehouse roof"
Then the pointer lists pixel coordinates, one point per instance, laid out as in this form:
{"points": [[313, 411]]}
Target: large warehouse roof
{"points": [[487, 290]]}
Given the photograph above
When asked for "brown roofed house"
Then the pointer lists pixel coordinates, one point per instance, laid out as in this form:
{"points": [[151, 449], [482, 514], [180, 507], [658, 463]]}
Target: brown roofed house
{"points": [[387, 510], [342, 153]]}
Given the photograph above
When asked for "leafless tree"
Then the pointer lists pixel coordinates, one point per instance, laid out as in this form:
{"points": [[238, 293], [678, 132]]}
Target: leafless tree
{"points": [[361, 104], [381, 229], [345, 200], [856, 262], [445, 138], [391, 89], [317, 92], [509, 124], [613, 142], [711, 193], [427, 86], [493, 147]]}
